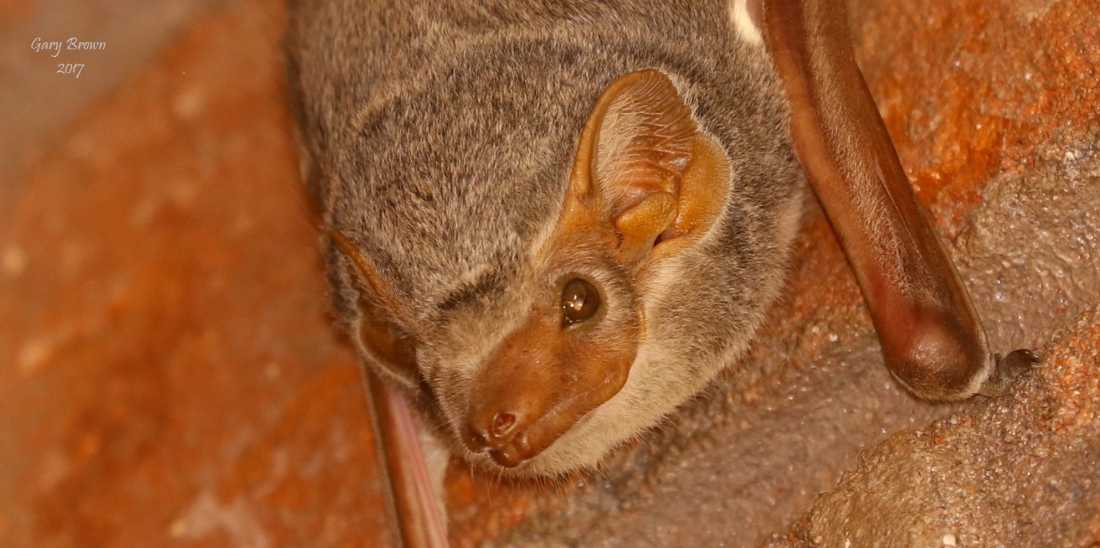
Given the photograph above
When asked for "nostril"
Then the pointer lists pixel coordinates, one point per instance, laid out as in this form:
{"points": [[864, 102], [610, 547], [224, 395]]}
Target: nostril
{"points": [[492, 433], [502, 424], [479, 439]]}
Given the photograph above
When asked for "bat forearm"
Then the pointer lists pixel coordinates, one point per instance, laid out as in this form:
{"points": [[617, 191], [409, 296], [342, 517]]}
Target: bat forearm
{"points": [[931, 337], [409, 497]]}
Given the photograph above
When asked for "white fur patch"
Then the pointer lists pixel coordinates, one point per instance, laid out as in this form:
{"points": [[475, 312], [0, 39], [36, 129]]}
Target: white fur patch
{"points": [[742, 21]]}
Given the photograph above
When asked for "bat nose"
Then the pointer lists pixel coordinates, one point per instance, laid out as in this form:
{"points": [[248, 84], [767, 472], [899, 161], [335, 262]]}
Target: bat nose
{"points": [[502, 434], [515, 418], [500, 428]]}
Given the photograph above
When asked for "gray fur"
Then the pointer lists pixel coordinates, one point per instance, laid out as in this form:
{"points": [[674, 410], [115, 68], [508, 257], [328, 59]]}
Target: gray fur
{"points": [[439, 137]]}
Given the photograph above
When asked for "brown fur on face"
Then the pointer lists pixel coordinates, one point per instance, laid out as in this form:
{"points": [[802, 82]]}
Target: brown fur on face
{"points": [[442, 142]]}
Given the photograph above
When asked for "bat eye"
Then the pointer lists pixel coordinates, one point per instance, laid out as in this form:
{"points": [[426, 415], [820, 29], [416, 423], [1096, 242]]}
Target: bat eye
{"points": [[579, 301]]}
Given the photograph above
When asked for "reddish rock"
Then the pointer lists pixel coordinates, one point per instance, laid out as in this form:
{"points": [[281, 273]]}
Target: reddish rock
{"points": [[168, 371]]}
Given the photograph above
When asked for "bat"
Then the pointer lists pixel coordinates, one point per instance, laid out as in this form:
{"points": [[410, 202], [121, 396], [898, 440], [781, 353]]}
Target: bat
{"points": [[548, 224]]}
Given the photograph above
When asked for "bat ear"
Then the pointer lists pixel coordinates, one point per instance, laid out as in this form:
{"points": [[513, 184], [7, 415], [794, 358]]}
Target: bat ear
{"points": [[644, 167], [379, 335]]}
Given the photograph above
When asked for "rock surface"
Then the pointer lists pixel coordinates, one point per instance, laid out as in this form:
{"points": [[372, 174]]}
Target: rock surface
{"points": [[1019, 470], [169, 375]]}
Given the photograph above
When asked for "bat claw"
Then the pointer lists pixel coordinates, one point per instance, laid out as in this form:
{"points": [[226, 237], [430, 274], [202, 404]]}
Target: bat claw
{"points": [[1009, 370]]}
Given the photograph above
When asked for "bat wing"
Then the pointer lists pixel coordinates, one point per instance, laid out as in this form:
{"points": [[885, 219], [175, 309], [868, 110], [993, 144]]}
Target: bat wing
{"points": [[932, 339], [409, 498]]}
